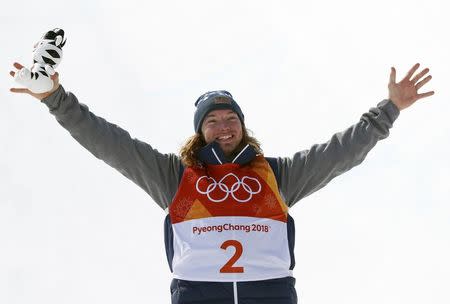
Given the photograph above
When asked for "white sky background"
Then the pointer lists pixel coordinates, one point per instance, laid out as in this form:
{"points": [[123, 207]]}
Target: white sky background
{"points": [[73, 230]]}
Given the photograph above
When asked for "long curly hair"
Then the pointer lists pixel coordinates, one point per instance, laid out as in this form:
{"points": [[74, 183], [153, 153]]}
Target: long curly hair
{"points": [[189, 151]]}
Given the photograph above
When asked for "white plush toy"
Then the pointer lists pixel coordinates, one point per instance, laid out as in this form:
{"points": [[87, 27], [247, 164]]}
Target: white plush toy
{"points": [[47, 55]]}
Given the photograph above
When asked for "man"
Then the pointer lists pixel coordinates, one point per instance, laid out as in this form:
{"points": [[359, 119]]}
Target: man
{"points": [[229, 237]]}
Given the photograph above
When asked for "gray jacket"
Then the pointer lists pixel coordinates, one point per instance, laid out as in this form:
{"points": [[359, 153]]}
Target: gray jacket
{"points": [[158, 174]]}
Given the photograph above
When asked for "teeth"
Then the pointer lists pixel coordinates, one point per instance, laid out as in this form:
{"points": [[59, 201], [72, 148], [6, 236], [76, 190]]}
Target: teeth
{"points": [[224, 137]]}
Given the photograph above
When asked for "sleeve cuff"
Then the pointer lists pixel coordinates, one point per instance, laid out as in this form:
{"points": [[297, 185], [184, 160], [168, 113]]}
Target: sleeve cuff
{"points": [[389, 108], [53, 101]]}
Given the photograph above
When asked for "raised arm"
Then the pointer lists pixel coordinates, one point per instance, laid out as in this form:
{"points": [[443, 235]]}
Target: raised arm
{"points": [[154, 172], [309, 170]]}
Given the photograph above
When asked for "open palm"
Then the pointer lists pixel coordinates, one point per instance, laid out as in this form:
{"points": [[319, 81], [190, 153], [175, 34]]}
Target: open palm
{"points": [[40, 96], [405, 93]]}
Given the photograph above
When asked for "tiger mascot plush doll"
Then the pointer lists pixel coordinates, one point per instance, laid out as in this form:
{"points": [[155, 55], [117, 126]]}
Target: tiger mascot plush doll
{"points": [[47, 55]]}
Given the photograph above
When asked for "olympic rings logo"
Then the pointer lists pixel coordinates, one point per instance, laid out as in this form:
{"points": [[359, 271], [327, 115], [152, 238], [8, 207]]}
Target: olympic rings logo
{"points": [[226, 191]]}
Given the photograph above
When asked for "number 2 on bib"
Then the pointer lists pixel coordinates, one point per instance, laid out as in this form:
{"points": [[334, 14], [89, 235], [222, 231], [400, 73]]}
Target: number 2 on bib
{"points": [[228, 267]]}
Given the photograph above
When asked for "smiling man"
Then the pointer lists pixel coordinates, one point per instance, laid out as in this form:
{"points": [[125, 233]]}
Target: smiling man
{"points": [[222, 122], [228, 234], [223, 126]]}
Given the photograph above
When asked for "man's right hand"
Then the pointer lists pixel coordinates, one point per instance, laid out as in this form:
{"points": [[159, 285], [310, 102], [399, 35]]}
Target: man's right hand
{"points": [[40, 96]]}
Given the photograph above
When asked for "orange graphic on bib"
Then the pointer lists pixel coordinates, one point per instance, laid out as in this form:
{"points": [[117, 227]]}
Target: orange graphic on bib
{"points": [[228, 190]]}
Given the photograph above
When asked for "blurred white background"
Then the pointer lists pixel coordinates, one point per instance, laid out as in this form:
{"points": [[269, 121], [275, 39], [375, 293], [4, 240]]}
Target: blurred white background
{"points": [[72, 230]]}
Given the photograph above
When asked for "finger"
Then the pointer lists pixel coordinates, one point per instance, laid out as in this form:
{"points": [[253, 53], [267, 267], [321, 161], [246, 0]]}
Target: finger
{"points": [[420, 75], [423, 82], [393, 75], [411, 71], [423, 95], [12, 73], [20, 90], [18, 65]]}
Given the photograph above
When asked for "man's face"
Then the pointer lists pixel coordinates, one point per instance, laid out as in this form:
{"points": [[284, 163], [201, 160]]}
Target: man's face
{"points": [[224, 127]]}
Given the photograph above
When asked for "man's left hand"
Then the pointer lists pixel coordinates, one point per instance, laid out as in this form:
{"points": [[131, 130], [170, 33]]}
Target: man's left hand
{"points": [[405, 93]]}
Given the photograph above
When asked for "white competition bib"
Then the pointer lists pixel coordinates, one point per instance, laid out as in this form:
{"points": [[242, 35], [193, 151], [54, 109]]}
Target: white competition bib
{"points": [[229, 249], [229, 224]]}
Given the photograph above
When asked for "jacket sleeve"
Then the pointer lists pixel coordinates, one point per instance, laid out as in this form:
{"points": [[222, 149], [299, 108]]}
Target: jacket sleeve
{"points": [[309, 170], [153, 171]]}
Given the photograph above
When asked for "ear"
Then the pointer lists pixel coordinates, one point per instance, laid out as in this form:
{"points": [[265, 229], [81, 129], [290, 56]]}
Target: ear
{"points": [[58, 40]]}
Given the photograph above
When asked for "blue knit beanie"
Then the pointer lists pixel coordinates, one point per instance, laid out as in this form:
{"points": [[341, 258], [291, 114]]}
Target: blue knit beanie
{"points": [[214, 100]]}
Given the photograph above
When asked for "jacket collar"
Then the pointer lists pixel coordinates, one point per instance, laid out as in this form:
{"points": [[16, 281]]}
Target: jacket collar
{"points": [[212, 154]]}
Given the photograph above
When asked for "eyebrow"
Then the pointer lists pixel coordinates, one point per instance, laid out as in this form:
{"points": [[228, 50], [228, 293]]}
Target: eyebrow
{"points": [[213, 115]]}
